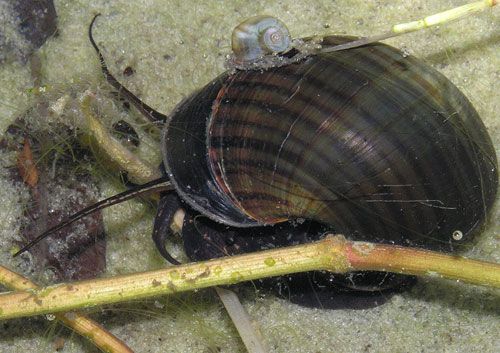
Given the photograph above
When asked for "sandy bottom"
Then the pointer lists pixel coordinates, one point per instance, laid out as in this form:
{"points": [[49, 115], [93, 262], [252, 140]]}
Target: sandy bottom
{"points": [[176, 47]]}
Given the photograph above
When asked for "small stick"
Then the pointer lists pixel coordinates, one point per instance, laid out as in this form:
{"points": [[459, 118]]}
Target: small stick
{"points": [[250, 335], [334, 254], [138, 171], [426, 22], [86, 327]]}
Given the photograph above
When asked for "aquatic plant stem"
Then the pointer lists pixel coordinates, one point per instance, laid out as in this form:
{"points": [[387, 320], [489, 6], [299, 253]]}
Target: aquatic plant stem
{"points": [[248, 331], [333, 253], [426, 22], [388, 258], [138, 170], [81, 324]]}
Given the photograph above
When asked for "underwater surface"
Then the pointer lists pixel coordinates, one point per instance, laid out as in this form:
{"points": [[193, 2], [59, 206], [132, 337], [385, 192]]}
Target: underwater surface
{"points": [[175, 47]]}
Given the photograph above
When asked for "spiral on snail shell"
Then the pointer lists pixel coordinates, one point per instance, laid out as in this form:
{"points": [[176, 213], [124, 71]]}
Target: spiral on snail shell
{"points": [[259, 36]]}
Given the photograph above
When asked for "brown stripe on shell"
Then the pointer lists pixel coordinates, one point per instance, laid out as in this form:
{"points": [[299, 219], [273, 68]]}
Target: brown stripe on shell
{"points": [[229, 133], [264, 100]]}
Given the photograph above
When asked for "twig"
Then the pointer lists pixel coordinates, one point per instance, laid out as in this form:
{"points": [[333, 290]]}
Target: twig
{"points": [[86, 327], [249, 333], [138, 170], [332, 254]]}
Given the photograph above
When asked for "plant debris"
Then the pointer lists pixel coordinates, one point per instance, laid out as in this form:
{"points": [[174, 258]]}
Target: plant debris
{"points": [[50, 164]]}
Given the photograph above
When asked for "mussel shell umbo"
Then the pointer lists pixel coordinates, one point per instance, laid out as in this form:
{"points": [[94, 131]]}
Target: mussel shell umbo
{"points": [[372, 142]]}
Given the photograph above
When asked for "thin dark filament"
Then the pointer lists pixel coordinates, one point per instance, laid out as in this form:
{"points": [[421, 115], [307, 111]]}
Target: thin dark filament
{"points": [[151, 114], [359, 42], [157, 185]]}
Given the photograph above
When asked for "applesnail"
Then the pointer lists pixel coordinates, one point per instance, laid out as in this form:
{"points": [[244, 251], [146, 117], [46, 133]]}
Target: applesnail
{"points": [[301, 137]]}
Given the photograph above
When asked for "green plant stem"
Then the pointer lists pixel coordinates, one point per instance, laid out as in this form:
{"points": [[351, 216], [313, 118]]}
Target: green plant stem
{"points": [[332, 253], [81, 324], [418, 262], [138, 170]]}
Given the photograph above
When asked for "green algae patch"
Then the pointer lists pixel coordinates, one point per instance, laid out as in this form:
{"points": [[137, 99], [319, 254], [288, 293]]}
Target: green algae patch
{"points": [[270, 262], [236, 277], [217, 270]]}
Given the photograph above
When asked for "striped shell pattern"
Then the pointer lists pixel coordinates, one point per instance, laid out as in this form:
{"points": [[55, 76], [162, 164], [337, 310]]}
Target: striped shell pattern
{"points": [[373, 143]]}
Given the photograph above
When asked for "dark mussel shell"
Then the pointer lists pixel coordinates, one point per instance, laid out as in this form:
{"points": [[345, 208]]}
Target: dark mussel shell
{"points": [[374, 143]]}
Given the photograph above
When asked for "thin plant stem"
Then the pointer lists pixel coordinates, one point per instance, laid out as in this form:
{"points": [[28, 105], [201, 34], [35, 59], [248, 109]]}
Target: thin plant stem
{"points": [[249, 332], [138, 170], [333, 253], [81, 324], [426, 22], [388, 258]]}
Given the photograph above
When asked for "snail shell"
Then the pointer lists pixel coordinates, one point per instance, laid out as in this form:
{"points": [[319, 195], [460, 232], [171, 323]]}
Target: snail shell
{"points": [[259, 36], [377, 145]]}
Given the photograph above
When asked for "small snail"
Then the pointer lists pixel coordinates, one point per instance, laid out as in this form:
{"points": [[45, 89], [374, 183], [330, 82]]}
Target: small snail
{"points": [[367, 142], [259, 36]]}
